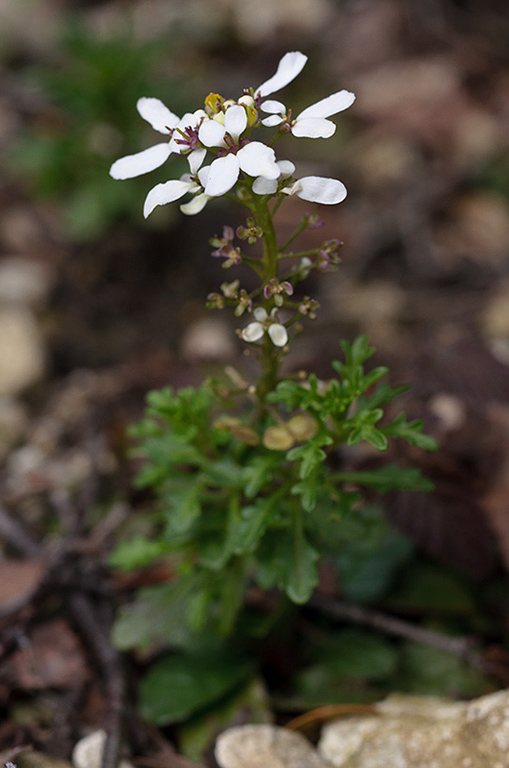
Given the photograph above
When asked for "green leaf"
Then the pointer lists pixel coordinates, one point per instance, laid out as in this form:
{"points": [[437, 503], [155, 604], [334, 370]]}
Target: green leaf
{"points": [[303, 577], [225, 474], [136, 553], [411, 432], [311, 455], [180, 685], [259, 474], [366, 576], [184, 505], [358, 654], [370, 434], [158, 615], [246, 525], [287, 560], [376, 438], [308, 491], [430, 671], [388, 478], [251, 704]]}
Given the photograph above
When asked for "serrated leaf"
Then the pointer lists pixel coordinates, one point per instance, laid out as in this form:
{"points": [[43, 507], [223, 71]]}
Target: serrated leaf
{"points": [[311, 455], [308, 491], [411, 432]]}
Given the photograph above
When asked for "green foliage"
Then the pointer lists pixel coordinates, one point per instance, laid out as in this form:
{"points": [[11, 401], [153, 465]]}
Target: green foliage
{"points": [[91, 90], [184, 683], [234, 510], [349, 665], [434, 672]]}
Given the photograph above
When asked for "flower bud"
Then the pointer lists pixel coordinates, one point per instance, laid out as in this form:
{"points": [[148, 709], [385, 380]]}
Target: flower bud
{"points": [[246, 100], [214, 103]]}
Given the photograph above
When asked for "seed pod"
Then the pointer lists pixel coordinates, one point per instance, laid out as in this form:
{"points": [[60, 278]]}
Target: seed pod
{"points": [[278, 439], [302, 426]]}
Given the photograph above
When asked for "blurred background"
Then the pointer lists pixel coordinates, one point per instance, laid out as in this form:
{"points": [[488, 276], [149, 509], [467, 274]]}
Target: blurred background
{"points": [[423, 152], [97, 306]]}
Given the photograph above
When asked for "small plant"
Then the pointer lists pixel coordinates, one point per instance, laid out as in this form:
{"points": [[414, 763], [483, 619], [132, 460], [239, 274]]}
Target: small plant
{"points": [[248, 474]]}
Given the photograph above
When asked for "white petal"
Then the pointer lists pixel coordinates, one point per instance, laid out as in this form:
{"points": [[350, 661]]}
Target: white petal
{"points": [[256, 159], [286, 167], [142, 162], [235, 120], [211, 133], [314, 128], [273, 120], [316, 189], [203, 175], [288, 68], [252, 332], [278, 334], [260, 314], [195, 159], [331, 105], [263, 186], [195, 205], [223, 173], [272, 106], [164, 193], [157, 114]]}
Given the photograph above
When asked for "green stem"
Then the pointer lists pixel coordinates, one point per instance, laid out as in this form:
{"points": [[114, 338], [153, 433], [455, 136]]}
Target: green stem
{"points": [[302, 226], [270, 358]]}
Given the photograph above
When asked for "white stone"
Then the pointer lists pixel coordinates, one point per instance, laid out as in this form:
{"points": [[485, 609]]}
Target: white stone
{"points": [[265, 746], [22, 358], [88, 752]]}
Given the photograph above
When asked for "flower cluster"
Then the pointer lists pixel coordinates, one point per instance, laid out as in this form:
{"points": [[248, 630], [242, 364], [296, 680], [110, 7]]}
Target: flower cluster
{"points": [[223, 128]]}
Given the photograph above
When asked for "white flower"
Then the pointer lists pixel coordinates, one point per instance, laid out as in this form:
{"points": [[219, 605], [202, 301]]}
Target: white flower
{"points": [[166, 122], [193, 182], [312, 122], [254, 331]]}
